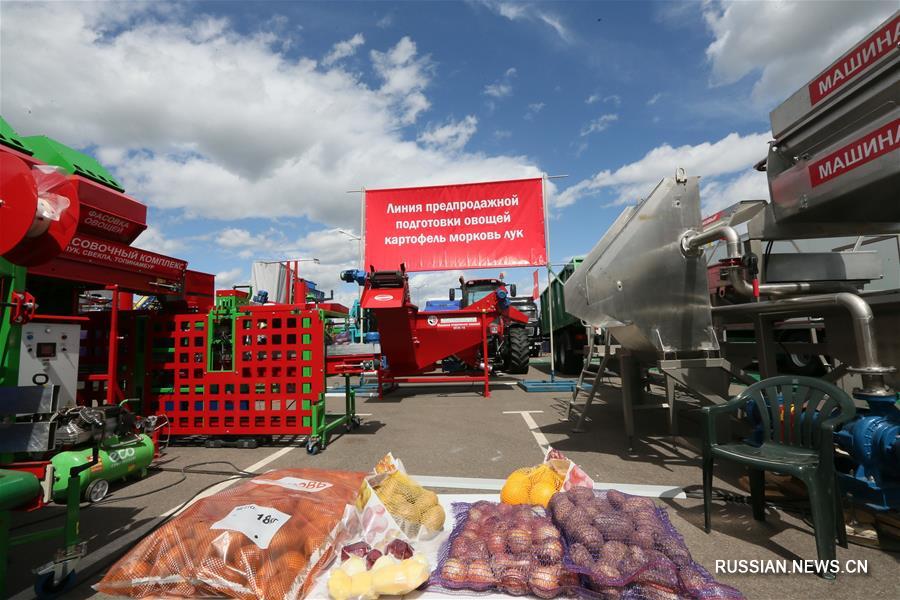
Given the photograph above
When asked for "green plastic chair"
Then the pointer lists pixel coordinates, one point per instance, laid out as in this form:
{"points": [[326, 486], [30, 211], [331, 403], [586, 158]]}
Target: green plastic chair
{"points": [[799, 415]]}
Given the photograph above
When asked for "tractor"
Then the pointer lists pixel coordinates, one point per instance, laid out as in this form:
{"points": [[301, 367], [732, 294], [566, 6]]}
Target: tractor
{"points": [[512, 343]]}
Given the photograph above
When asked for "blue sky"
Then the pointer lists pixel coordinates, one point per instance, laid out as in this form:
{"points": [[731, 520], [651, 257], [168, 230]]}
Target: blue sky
{"points": [[242, 125]]}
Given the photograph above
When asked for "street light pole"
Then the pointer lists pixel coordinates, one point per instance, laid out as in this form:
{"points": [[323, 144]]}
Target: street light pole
{"points": [[358, 239]]}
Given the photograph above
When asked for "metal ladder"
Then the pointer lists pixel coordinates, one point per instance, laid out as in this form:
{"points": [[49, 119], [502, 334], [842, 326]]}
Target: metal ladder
{"points": [[595, 375]]}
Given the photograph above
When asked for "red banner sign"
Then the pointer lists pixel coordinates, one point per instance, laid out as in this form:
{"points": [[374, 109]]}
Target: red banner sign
{"points": [[855, 154], [466, 226], [858, 60], [107, 253]]}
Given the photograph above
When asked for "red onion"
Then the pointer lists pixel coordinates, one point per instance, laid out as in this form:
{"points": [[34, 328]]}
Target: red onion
{"points": [[399, 549], [356, 549]]}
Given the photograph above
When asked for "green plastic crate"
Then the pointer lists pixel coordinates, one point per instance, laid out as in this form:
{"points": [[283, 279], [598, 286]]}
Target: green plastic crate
{"points": [[9, 137], [55, 153]]}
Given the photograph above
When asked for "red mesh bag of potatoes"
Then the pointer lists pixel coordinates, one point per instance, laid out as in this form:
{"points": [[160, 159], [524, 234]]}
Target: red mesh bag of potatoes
{"points": [[515, 549], [626, 548], [267, 537]]}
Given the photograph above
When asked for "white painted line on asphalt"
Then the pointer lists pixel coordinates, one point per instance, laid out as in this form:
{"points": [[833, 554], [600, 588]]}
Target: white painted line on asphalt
{"points": [[221, 486], [539, 436], [495, 485]]}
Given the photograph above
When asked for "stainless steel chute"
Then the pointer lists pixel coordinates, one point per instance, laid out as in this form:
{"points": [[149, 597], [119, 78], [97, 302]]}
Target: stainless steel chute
{"points": [[639, 284]]}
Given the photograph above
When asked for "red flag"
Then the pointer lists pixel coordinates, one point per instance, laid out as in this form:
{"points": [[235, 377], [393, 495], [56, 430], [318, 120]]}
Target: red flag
{"points": [[535, 294]]}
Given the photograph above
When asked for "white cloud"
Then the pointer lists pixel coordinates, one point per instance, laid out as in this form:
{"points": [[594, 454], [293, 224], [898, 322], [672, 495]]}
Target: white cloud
{"points": [[502, 134], [533, 110], [230, 277], [453, 135], [599, 124], [717, 194], [436, 286], [405, 77], [217, 124], [432, 286], [343, 49], [334, 251], [613, 99], [154, 240], [528, 11], [784, 44], [385, 21], [725, 157], [503, 86], [654, 99]]}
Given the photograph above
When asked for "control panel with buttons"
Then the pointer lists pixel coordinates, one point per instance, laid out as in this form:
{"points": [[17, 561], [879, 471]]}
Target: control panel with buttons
{"points": [[49, 355]]}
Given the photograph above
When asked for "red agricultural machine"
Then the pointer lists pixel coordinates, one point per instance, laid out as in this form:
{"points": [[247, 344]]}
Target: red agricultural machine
{"points": [[462, 341]]}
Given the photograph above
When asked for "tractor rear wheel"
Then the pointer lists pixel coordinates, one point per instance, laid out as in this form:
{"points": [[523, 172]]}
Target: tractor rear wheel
{"points": [[518, 350]]}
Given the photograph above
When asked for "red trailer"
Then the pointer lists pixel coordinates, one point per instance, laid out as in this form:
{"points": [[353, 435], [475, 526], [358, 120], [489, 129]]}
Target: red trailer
{"points": [[415, 342]]}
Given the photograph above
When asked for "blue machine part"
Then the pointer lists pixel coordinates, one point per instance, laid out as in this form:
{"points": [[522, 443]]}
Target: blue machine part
{"points": [[261, 297], [871, 473], [442, 305], [503, 298], [371, 337], [354, 276], [775, 414]]}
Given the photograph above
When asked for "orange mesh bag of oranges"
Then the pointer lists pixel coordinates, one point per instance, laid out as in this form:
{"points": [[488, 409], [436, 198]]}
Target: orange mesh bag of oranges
{"points": [[536, 485], [268, 537], [415, 509]]}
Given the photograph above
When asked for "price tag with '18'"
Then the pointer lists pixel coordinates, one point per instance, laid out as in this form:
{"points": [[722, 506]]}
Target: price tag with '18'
{"points": [[258, 523]]}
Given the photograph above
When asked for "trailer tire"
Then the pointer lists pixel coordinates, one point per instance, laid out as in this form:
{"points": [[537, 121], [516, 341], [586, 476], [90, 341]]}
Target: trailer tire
{"points": [[518, 351], [567, 361]]}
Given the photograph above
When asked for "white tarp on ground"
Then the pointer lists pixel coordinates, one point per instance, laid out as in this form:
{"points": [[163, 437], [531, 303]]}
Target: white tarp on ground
{"points": [[271, 277]]}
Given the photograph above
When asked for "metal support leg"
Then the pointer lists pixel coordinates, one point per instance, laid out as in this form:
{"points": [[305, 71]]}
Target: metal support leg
{"points": [[484, 357], [673, 413], [631, 391], [579, 427], [765, 346]]}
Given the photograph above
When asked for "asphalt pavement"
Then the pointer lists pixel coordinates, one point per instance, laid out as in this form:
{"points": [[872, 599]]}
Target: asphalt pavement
{"points": [[454, 432]]}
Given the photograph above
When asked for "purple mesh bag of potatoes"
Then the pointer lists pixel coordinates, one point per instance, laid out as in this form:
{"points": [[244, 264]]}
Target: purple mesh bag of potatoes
{"points": [[626, 548], [514, 549]]}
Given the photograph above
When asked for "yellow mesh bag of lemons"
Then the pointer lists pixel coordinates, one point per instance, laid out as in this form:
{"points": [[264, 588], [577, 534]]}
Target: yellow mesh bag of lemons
{"points": [[532, 485]]}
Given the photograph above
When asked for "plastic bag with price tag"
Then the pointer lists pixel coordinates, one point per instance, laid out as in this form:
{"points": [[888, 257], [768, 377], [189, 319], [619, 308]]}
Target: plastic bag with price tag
{"points": [[267, 537]]}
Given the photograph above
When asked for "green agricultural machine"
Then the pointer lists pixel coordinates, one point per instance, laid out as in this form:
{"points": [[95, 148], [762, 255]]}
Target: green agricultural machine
{"points": [[569, 337]]}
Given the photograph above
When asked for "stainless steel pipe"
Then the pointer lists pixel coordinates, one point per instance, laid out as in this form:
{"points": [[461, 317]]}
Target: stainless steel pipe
{"points": [[693, 241], [868, 366]]}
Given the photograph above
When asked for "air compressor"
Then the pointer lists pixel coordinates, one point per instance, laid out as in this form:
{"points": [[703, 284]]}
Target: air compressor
{"points": [[123, 448]]}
